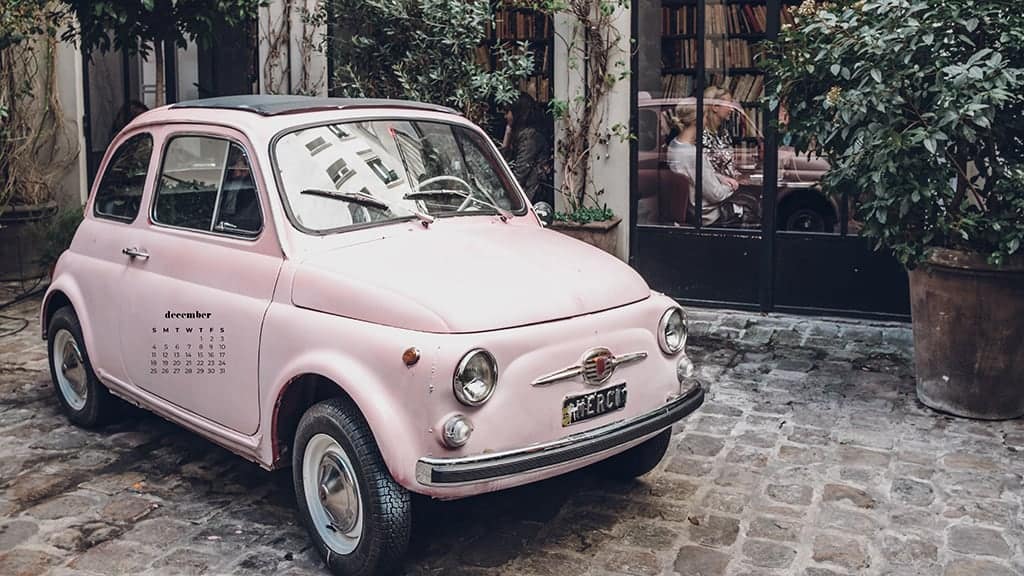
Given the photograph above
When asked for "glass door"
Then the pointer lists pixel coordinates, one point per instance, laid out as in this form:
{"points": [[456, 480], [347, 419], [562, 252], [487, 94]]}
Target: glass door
{"points": [[701, 154], [726, 212]]}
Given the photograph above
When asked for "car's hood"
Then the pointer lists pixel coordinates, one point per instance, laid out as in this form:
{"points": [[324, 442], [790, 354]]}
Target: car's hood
{"points": [[464, 276]]}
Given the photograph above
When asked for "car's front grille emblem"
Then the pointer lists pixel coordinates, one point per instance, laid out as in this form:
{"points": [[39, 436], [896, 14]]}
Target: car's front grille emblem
{"points": [[596, 367]]}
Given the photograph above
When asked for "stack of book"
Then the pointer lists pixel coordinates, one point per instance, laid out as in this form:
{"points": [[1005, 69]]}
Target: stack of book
{"points": [[677, 85], [678, 20], [679, 52], [519, 24]]}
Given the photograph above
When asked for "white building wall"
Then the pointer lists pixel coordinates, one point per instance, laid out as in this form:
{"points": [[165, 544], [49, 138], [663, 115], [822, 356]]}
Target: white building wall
{"points": [[291, 61], [74, 186], [609, 165]]}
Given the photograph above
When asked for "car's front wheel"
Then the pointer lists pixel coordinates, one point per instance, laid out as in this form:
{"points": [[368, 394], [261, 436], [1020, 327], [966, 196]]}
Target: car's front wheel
{"points": [[85, 399], [358, 516], [638, 460]]}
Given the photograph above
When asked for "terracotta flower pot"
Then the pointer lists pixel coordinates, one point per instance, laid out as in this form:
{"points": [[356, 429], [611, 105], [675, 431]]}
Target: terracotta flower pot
{"points": [[599, 234], [969, 335], [22, 238]]}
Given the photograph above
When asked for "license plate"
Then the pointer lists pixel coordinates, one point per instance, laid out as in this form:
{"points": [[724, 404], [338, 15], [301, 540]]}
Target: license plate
{"points": [[591, 405]]}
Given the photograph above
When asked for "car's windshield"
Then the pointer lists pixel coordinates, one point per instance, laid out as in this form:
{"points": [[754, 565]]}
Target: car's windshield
{"points": [[352, 173]]}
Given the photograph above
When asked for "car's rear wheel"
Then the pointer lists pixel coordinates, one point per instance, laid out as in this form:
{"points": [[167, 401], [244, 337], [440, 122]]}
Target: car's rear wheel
{"points": [[638, 460], [358, 516], [807, 212], [85, 400]]}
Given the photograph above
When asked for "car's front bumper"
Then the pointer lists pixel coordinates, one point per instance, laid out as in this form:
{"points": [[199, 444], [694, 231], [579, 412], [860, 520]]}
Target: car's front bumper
{"points": [[487, 467]]}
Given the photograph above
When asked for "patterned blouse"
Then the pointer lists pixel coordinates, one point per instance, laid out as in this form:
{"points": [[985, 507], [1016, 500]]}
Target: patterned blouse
{"points": [[718, 150]]}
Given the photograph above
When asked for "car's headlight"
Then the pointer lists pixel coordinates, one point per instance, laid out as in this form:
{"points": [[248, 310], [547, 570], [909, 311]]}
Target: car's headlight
{"points": [[672, 331], [475, 377]]}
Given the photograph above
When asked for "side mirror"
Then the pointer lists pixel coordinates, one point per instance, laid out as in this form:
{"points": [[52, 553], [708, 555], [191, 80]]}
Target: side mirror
{"points": [[545, 212]]}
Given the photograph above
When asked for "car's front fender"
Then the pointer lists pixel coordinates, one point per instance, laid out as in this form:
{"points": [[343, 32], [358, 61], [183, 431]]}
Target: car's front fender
{"points": [[390, 396]]}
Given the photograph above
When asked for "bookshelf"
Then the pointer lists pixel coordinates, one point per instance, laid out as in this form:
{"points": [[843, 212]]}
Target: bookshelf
{"points": [[732, 33], [516, 25]]}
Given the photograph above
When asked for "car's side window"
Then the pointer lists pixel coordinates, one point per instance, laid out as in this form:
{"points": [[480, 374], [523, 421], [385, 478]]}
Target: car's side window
{"points": [[120, 191], [206, 184]]}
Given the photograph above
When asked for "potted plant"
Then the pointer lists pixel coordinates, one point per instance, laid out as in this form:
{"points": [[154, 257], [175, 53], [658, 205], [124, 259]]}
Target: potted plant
{"points": [[35, 147], [919, 107]]}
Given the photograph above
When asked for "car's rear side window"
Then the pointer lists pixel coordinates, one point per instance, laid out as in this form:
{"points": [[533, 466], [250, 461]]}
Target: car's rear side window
{"points": [[206, 184], [120, 191]]}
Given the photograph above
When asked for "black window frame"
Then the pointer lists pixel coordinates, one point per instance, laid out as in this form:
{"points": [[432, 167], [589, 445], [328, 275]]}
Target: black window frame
{"points": [[250, 236], [106, 170]]}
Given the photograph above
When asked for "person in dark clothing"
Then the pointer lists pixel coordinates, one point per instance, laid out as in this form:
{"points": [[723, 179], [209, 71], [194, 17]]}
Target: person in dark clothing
{"points": [[130, 110], [526, 148]]}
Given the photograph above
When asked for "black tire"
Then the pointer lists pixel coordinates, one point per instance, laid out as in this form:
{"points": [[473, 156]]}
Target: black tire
{"points": [[98, 406], [807, 213], [638, 460], [385, 506]]}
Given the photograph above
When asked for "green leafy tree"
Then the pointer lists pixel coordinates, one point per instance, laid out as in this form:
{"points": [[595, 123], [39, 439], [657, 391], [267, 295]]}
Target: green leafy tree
{"points": [[144, 26], [427, 50], [21, 20], [919, 107]]}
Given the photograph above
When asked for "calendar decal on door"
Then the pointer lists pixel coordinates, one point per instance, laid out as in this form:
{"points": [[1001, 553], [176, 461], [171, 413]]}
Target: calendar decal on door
{"points": [[189, 345]]}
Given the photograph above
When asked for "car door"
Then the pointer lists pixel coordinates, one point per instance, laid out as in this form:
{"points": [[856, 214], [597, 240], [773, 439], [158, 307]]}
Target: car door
{"points": [[110, 223], [201, 278]]}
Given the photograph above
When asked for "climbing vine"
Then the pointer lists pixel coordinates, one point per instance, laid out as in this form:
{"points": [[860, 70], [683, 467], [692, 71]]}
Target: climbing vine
{"points": [[595, 63], [36, 146]]}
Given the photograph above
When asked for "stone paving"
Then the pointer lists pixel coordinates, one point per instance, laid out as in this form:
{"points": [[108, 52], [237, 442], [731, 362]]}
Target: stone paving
{"points": [[812, 457]]}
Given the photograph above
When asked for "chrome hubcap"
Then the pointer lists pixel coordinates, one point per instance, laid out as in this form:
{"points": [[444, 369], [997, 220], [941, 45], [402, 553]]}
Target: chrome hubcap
{"points": [[70, 369], [337, 491], [332, 494]]}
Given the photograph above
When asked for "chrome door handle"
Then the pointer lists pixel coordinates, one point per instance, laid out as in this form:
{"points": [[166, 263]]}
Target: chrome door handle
{"points": [[134, 252]]}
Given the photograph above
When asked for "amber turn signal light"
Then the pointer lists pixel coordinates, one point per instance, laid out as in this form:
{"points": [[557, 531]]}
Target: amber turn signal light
{"points": [[411, 356]]}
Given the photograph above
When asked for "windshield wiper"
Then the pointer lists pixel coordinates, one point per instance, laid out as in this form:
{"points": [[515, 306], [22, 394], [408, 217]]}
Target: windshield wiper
{"points": [[420, 194], [353, 197], [364, 200]]}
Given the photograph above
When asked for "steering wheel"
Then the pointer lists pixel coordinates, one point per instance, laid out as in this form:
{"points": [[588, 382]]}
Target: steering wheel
{"points": [[469, 189]]}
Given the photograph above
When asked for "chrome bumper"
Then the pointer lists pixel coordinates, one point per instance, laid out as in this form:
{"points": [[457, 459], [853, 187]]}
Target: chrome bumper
{"points": [[485, 467]]}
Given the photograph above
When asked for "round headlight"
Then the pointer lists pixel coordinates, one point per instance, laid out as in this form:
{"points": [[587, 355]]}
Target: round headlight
{"points": [[475, 377], [672, 331]]}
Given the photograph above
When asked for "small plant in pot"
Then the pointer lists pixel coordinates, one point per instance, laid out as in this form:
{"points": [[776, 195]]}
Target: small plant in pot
{"points": [[919, 107], [36, 149]]}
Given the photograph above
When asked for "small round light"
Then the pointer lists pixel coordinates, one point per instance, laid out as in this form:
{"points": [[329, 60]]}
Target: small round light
{"points": [[475, 377], [411, 356], [456, 431], [684, 368], [672, 331]]}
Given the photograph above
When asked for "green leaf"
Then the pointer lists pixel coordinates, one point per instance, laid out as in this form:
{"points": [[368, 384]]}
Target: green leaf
{"points": [[929, 144]]}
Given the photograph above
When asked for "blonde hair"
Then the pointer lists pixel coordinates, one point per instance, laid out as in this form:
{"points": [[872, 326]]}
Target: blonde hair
{"points": [[716, 93], [711, 120], [683, 116]]}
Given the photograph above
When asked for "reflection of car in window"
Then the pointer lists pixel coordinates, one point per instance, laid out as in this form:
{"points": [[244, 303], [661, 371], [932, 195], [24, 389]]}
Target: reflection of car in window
{"points": [[801, 204]]}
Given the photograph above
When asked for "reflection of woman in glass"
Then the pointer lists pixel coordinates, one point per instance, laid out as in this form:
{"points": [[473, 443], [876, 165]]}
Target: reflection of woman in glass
{"points": [[682, 159], [717, 141], [526, 147]]}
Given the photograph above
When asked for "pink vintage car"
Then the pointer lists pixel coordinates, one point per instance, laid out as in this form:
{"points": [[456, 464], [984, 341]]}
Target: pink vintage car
{"points": [[360, 290]]}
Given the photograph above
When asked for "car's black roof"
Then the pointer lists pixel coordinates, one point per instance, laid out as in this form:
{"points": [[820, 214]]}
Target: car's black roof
{"points": [[272, 105]]}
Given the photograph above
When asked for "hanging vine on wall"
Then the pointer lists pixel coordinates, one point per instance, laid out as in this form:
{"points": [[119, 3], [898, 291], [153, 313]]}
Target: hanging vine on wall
{"points": [[280, 37], [36, 146], [595, 62]]}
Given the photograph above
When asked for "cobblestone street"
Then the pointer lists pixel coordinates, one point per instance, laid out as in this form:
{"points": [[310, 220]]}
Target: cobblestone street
{"points": [[812, 456]]}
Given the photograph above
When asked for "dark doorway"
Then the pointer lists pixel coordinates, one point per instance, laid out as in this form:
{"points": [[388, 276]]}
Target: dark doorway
{"points": [[230, 66]]}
